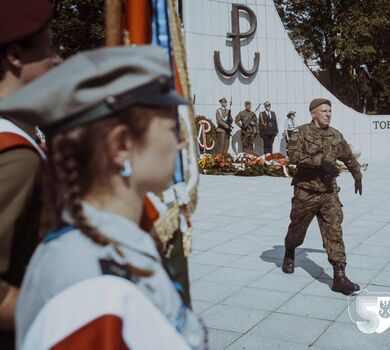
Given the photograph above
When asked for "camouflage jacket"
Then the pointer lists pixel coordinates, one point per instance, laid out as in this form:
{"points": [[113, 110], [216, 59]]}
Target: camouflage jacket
{"points": [[309, 146], [247, 122]]}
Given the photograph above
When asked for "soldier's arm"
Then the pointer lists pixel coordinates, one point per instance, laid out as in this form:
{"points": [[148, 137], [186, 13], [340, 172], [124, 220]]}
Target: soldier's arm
{"points": [[238, 120], [293, 147], [260, 123], [276, 125], [346, 156], [19, 169], [220, 121]]}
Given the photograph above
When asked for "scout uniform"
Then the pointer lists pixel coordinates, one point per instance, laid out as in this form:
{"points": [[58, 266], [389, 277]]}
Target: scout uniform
{"points": [[223, 127], [315, 151], [127, 76], [247, 121], [20, 162]]}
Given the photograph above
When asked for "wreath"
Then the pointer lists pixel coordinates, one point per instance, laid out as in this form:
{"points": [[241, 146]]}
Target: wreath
{"points": [[211, 136]]}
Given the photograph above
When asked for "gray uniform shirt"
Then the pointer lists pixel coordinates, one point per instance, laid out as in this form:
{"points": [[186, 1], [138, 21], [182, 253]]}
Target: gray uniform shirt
{"points": [[72, 257]]}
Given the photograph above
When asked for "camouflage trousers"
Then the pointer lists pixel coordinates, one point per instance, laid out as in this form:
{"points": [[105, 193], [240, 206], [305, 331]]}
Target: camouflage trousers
{"points": [[328, 210], [248, 140]]}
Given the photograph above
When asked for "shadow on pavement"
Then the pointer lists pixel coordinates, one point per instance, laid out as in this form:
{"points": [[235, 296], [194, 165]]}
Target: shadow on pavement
{"points": [[302, 260]]}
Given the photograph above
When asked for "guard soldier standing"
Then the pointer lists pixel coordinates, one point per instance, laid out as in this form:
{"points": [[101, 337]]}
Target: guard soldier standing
{"points": [[25, 54], [247, 122], [224, 123], [268, 127], [314, 148]]}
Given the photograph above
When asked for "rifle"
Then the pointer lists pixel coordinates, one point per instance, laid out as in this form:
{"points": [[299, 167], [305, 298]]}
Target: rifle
{"points": [[230, 119]]}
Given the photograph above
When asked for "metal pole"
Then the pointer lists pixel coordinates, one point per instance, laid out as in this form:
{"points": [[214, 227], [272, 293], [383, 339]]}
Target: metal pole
{"points": [[113, 22]]}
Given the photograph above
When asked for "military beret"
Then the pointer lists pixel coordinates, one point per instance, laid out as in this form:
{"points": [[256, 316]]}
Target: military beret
{"points": [[247, 103], [92, 85], [318, 102], [20, 19], [223, 100]]}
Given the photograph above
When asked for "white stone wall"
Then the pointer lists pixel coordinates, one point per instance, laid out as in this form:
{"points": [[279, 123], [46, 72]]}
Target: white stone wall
{"points": [[282, 78]]}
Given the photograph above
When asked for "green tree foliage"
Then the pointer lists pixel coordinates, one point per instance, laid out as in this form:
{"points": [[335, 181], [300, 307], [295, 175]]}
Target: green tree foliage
{"points": [[340, 36], [78, 25]]}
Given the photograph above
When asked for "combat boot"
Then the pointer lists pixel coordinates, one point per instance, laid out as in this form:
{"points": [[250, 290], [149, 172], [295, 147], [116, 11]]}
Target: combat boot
{"points": [[341, 283], [288, 261]]}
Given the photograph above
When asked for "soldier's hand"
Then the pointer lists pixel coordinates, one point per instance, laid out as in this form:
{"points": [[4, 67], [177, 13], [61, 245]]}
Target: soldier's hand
{"points": [[330, 168], [358, 187]]}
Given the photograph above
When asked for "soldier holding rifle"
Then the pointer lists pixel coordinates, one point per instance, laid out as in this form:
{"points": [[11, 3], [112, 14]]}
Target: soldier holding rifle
{"points": [[224, 125], [247, 122]]}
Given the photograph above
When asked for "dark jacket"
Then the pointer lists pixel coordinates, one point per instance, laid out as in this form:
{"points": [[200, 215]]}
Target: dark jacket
{"points": [[268, 126]]}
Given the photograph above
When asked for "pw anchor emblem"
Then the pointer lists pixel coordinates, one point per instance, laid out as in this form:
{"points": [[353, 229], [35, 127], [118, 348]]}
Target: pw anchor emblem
{"points": [[236, 37]]}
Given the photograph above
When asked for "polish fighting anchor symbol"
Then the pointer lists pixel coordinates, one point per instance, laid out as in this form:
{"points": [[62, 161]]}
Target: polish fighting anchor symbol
{"points": [[204, 128], [236, 36]]}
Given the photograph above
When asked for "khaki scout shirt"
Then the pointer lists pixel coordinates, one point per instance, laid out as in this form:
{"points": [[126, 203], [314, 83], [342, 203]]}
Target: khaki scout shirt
{"points": [[247, 119], [20, 206], [309, 146], [221, 116]]}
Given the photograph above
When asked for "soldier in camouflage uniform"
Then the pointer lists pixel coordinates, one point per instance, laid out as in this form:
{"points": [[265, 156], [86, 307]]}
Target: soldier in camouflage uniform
{"points": [[314, 148], [247, 122]]}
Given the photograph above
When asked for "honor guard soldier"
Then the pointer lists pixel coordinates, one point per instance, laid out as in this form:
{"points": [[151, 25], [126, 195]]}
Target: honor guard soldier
{"points": [[314, 148], [224, 125], [268, 125], [247, 122], [25, 54]]}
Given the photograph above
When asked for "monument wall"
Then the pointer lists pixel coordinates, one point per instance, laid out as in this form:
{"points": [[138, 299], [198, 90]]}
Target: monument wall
{"points": [[281, 77]]}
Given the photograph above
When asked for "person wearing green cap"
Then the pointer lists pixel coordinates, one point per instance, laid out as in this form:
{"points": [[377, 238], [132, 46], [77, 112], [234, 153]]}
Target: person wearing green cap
{"points": [[314, 148], [110, 121]]}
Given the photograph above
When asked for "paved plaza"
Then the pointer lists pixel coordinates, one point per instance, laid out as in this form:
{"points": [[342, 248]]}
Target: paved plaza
{"points": [[237, 285]]}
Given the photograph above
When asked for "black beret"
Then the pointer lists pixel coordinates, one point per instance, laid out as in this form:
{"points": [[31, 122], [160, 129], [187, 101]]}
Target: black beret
{"points": [[20, 19], [318, 102]]}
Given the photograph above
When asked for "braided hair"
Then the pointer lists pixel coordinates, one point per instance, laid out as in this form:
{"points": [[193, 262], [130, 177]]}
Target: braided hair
{"points": [[77, 161]]}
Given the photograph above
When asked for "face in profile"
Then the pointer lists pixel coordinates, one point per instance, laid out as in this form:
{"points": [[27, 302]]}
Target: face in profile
{"points": [[38, 57], [322, 116], [154, 159]]}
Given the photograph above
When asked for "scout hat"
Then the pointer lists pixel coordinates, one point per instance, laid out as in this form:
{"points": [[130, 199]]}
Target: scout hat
{"points": [[290, 113], [92, 85], [318, 102], [20, 19], [223, 100]]}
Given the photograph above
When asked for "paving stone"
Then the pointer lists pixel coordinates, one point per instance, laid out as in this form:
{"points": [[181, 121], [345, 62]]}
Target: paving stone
{"points": [[230, 276], [219, 340], [247, 342], [214, 258], [282, 282], [289, 328], [211, 292], [344, 336], [313, 306], [256, 298], [232, 318]]}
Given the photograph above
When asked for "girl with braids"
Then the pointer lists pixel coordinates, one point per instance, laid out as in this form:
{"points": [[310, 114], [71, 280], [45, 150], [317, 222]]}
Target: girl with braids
{"points": [[111, 125]]}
